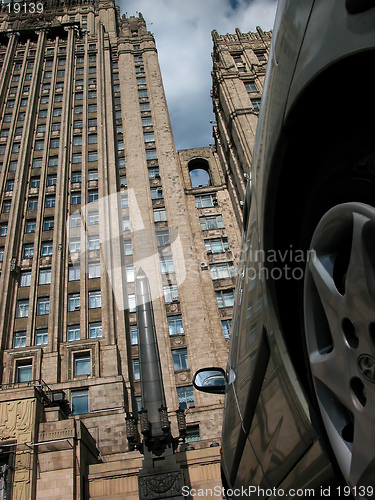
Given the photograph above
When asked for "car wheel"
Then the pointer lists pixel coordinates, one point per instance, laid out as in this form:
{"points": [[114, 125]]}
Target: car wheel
{"points": [[339, 324]]}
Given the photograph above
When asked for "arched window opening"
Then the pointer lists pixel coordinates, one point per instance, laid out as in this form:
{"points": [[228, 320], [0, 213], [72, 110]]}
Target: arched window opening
{"points": [[199, 171]]}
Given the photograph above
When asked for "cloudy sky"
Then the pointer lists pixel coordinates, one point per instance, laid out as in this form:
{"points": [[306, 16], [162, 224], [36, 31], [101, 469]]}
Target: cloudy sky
{"points": [[182, 30]]}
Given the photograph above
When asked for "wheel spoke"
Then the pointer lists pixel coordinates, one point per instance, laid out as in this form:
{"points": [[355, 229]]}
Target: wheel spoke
{"points": [[330, 370], [331, 300], [360, 277], [362, 467]]}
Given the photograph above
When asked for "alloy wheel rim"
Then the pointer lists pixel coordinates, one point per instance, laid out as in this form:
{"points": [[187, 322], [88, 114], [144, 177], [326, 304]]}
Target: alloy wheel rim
{"points": [[339, 315]]}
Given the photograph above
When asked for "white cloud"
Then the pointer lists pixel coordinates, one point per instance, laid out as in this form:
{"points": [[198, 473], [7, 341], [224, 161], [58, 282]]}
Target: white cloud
{"points": [[182, 32]]}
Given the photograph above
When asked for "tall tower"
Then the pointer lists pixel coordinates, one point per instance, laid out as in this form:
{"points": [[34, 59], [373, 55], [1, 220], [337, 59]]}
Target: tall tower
{"points": [[92, 189], [239, 68]]}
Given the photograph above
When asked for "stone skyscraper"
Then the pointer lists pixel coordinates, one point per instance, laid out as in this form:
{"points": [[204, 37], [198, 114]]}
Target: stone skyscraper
{"points": [[239, 69], [92, 189]]}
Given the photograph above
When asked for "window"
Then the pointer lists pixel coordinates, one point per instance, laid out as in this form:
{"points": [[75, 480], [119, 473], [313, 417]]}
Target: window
{"points": [[42, 307], [91, 94], [77, 158], [261, 57], [73, 333], [75, 220], [93, 122], [92, 175], [130, 274], [93, 218], [6, 206], [93, 196], [94, 270], [211, 222], [162, 238], [35, 182], [180, 360], [131, 302], [8, 117], [251, 86], [136, 369], [153, 173], [54, 143], [151, 154], [185, 397], [30, 226], [57, 112], [170, 293], [48, 224], [156, 193], [120, 146], [74, 273], [224, 298], [205, 201], [74, 302], [222, 270], [92, 139], [22, 310], [80, 401], [3, 229], [95, 299], [79, 96], [146, 121], [123, 181], [76, 176], [144, 106], [77, 140], [216, 245], [134, 334], [175, 325], [92, 156], [28, 251], [77, 124], [46, 248], [95, 330], [51, 180], [25, 278], [92, 70], [75, 198], [44, 276], [160, 215], [128, 248], [9, 186], [61, 73], [13, 165], [41, 336], [44, 99], [19, 340], [141, 80], [142, 93], [256, 104], [82, 364], [92, 108], [139, 69], [121, 163], [50, 201], [192, 434], [1, 254], [74, 245], [41, 128], [77, 111], [94, 242], [166, 265], [17, 147], [226, 325], [24, 371]]}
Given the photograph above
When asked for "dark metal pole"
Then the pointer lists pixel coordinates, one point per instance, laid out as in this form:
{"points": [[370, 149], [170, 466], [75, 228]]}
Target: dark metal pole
{"points": [[152, 388]]}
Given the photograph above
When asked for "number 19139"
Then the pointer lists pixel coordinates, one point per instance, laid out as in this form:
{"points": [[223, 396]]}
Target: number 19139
{"points": [[25, 8]]}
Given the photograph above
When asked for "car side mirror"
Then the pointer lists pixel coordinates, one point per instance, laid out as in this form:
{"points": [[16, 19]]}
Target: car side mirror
{"points": [[211, 380]]}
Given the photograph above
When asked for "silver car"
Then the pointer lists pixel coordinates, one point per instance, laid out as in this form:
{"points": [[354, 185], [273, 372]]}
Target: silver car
{"points": [[300, 381]]}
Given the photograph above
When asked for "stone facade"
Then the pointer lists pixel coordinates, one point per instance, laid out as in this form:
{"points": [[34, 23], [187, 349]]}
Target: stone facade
{"points": [[92, 189], [239, 68]]}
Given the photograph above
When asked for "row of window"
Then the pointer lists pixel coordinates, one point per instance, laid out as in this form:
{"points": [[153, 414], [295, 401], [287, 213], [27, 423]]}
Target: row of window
{"points": [[43, 303]]}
